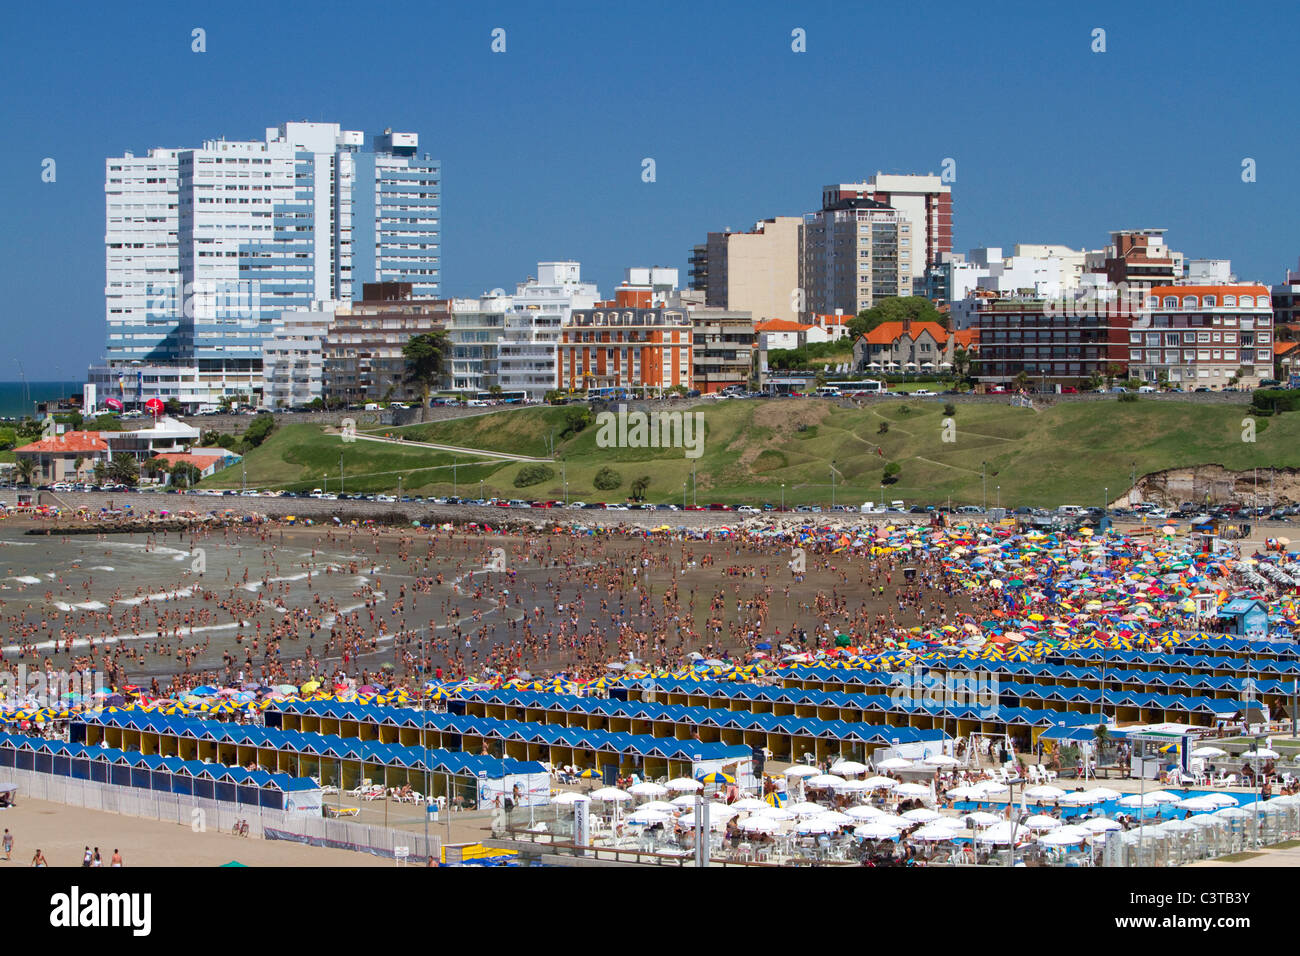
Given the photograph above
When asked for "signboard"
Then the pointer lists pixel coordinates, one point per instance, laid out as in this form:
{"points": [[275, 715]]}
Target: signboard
{"points": [[401, 852], [304, 802], [581, 824]]}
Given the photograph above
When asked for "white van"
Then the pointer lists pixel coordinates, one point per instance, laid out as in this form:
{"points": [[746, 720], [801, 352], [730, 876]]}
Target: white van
{"points": [[828, 391], [1145, 389], [1071, 511]]}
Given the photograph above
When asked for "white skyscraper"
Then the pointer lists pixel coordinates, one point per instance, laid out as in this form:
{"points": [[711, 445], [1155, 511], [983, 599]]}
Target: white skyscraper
{"points": [[207, 247]]}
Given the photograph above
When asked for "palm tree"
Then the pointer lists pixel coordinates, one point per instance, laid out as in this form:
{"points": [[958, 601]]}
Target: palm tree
{"points": [[26, 470], [1101, 736], [424, 357]]}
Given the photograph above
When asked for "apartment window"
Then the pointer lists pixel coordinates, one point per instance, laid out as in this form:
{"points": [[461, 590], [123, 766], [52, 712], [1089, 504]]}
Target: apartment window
{"points": [[1208, 301], [1246, 301], [1229, 301]]}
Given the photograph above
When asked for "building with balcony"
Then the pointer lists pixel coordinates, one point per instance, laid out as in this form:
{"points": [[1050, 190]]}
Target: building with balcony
{"points": [[619, 344], [526, 350], [1051, 346], [852, 253], [362, 352], [722, 348], [1203, 335], [293, 358]]}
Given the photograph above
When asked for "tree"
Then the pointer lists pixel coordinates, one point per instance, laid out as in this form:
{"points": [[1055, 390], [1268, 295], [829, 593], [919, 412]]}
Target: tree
{"points": [[258, 431], [1094, 382], [173, 406], [607, 479], [101, 471], [576, 418], [1021, 380], [424, 356], [896, 309], [185, 474], [960, 363], [154, 468], [890, 474], [1113, 372], [883, 429], [76, 465], [533, 474], [495, 391], [26, 471], [124, 470], [639, 488]]}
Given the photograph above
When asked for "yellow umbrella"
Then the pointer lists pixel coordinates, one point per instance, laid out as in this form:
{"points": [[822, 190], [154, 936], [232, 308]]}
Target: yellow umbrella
{"points": [[311, 685]]}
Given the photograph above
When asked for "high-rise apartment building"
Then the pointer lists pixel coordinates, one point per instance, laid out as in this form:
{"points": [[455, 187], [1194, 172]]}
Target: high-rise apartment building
{"points": [[924, 201], [755, 272], [526, 352], [852, 253], [207, 247]]}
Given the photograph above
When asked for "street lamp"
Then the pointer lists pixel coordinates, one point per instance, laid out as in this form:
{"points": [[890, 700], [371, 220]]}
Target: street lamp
{"points": [[984, 477], [683, 496]]}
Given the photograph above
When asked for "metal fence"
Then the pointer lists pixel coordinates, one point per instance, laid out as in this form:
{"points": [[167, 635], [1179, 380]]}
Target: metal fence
{"points": [[203, 815]]}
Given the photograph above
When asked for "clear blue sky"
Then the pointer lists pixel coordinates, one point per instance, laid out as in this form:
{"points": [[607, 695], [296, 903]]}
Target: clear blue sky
{"points": [[542, 145]]}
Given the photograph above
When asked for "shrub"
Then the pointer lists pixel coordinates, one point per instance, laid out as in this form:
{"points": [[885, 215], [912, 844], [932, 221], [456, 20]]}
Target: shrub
{"points": [[607, 479], [533, 475], [576, 418], [1127, 397], [949, 409], [884, 428], [258, 431], [890, 474], [1276, 399]]}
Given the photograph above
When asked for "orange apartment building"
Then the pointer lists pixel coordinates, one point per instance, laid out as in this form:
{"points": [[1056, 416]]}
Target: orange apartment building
{"points": [[626, 343]]}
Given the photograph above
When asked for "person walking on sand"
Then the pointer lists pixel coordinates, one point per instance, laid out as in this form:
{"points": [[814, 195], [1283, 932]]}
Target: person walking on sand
{"points": [[117, 858], [39, 859], [8, 844], [87, 857]]}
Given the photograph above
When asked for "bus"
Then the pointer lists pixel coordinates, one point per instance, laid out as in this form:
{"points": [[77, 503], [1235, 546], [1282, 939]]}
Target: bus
{"points": [[608, 394], [864, 387], [505, 397]]}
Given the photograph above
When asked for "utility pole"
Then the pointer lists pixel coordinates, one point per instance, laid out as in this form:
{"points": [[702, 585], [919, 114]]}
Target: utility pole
{"points": [[984, 477], [340, 472], [243, 466], [833, 473], [454, 493], [694, 499]]}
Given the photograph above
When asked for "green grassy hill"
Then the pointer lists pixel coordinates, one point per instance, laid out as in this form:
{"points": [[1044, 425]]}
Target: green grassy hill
{"points": [[1065, 454]]}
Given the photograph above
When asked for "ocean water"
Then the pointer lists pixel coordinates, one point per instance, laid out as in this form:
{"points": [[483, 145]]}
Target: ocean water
{"points": [[13, 401]]}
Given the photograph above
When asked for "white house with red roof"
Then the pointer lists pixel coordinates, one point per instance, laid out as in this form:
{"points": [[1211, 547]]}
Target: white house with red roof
{"points": [[70, 456]]}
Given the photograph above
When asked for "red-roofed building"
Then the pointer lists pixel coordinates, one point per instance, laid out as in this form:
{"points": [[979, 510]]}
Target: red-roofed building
{"points": [[1203, 335], [781, 334], [56, 458], [207, 460], [908, 346]]}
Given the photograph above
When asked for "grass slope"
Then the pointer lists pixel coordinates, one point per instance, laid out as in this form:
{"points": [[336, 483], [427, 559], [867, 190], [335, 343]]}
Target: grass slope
{"points": [[1065, 454]]}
